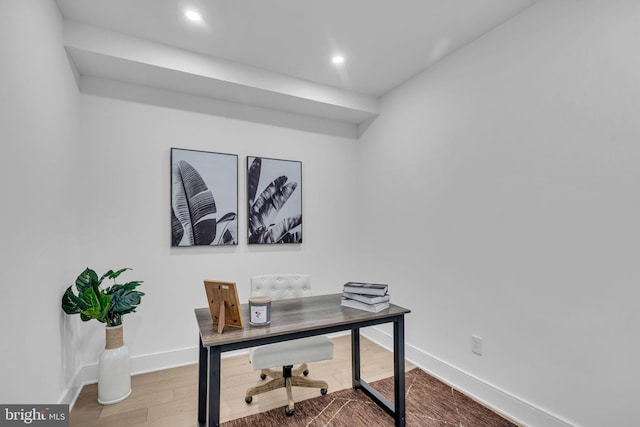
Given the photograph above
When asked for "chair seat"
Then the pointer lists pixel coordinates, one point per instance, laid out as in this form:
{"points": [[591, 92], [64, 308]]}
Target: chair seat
{"points": [[294, 352]]}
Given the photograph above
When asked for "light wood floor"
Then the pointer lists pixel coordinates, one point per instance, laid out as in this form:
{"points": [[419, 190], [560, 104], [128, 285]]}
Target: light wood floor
{"points": [[169, 397]]}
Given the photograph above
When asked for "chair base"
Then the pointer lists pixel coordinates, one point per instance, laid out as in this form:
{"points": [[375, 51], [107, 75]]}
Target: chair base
{"points": [[287, 378]]}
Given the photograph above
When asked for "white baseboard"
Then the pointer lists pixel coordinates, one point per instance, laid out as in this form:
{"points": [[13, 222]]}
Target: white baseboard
{"points": [[491, 396], [73, 390], [499, 400], [88, 374], [155, 362]]}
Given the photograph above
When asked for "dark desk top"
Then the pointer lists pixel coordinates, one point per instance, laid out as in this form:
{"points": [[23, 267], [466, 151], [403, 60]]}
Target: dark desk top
{"points": [[296, 315]]}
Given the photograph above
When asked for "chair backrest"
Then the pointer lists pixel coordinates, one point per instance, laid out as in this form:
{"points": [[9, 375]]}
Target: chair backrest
{"points": [[281, 286]]}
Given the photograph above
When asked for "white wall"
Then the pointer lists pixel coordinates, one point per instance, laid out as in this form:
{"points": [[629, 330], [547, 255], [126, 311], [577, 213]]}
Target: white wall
{"points": [[38, 131], [126, 153], [514, 161], [86, 183], [500, 198]]}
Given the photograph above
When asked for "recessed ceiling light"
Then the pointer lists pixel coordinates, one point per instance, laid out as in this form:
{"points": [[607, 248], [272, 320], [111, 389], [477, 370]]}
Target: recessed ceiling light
{"points": [[337, 59], [193, 15]]}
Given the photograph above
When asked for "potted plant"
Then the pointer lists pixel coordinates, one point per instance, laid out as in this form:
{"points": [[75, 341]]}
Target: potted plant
{"points": [[107, 305]]}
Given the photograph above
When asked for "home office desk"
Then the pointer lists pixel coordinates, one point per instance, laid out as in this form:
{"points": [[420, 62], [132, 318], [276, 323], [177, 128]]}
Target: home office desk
{"points": [[292, 319]]}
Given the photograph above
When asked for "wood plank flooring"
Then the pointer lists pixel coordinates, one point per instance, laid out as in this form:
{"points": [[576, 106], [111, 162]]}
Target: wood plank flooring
{"points": [[168, 398]]}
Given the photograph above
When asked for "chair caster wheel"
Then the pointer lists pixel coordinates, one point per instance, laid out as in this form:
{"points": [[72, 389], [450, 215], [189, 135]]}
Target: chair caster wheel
{"points": [[262, 376], [248, 399], [305, 372], [323, 391], [288, 411]]}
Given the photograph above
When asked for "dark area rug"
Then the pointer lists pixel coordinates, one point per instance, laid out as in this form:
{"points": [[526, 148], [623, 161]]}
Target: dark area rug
{"points": [[430, 403]]}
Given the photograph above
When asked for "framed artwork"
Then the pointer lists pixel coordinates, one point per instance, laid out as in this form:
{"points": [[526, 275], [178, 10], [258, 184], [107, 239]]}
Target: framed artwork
{"points": [[274, 196], [204, 198]]}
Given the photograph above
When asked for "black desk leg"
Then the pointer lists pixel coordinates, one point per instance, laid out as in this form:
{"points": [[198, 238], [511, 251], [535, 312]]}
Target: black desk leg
{"points": [[398, 371], [214, 386], [355, 357], [202, 385]]}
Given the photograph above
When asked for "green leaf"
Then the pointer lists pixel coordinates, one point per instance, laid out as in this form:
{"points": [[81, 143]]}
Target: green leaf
{"points": [[113, 275], [94, 303], [126, 301], [88, 278], [105, 305], [71, 304], [127, 286], [125, 298]]}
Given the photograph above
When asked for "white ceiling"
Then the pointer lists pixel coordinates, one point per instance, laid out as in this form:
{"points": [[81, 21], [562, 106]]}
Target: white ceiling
{"points": [[385, 42]]}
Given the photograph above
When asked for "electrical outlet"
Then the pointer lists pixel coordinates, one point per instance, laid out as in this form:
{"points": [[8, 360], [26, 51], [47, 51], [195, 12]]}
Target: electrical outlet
{"points": [[476, 345]]}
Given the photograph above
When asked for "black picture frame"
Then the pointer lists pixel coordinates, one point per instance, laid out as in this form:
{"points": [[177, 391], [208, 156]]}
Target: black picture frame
{"points": [[204, 198], [274, 200]]}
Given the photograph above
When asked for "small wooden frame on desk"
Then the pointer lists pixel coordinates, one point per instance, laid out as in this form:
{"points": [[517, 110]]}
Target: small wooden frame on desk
{"points": [[223, 303]]}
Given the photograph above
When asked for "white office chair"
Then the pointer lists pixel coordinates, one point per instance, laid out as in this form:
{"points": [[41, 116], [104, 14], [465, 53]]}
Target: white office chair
{"points": [[288, 353]]}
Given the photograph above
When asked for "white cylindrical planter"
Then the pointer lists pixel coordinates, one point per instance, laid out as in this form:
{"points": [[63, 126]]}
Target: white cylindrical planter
{"points": [[114, 374]]}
